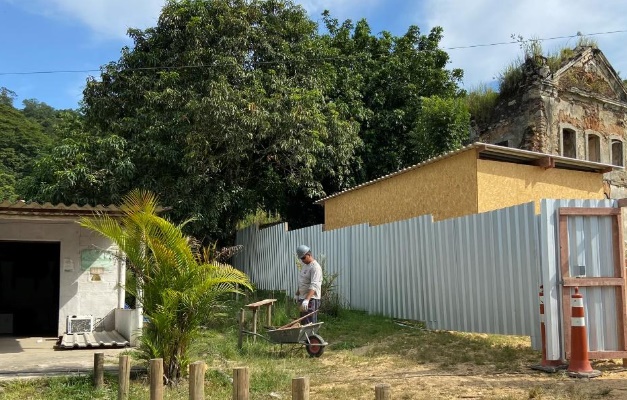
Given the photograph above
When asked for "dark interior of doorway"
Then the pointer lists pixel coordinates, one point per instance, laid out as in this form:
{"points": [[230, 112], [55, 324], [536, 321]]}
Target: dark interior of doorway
{"points": [[29, 288]]}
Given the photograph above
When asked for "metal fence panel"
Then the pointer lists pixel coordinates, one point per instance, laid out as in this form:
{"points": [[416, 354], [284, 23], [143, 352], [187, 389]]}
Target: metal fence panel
{"points": [[478, 273], [589, 238]]}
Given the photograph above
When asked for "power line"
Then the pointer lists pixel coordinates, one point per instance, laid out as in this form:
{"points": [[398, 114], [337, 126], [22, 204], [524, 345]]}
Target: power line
{"points": [[304, 60], [539, 40]]}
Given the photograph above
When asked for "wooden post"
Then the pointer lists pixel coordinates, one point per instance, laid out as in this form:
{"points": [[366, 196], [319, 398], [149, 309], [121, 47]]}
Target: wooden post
{"points": [[270, 314], [197, 380], [124, 374], [156, 379], [254, 324], [241, 329], [382, 392], [300, 388], [240, 383], [98, 370]]}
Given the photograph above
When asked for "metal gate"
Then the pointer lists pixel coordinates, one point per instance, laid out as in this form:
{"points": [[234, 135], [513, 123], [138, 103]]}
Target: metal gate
{"points": [[591, 258]]}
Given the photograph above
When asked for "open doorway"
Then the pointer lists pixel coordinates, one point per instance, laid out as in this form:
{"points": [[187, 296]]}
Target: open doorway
{"points": [[29, 288]]}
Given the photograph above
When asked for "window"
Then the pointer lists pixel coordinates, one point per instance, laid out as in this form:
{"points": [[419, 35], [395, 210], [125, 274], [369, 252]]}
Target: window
{"points": [[617, 152], [594, 148], [569, 143]]}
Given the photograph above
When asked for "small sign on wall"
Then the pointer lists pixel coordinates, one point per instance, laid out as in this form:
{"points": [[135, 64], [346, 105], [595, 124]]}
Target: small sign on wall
{"points": [[68, 265], [96, 259]]}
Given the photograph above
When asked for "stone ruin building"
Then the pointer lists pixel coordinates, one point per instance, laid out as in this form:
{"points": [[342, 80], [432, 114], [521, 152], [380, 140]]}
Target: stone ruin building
{"points": [[578, 111]]}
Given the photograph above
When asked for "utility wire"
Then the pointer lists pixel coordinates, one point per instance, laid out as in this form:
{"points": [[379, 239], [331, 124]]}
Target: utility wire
{"points": [[305, 60], [539, 40]]}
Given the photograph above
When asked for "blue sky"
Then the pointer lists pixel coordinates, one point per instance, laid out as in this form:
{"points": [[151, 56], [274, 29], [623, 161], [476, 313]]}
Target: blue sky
{"points": [[71, 35]]}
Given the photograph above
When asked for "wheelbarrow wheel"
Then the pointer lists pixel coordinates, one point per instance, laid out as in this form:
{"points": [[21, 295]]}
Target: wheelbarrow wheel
{"points": [[315, 346]]}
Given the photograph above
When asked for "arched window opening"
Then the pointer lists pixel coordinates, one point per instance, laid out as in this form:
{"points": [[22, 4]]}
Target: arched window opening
{"points": [[617, 153], [569, 143], [594, 148]]}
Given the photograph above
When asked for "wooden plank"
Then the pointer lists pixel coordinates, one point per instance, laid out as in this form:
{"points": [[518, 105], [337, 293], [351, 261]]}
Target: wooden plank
{"points": [[260, 303], [297, 320], [584, 282], [566, 311], [619, 263], [606, 355], [617, 245], [588, 211]]}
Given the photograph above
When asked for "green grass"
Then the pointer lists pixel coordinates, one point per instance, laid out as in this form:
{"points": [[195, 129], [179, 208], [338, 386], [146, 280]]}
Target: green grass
{"points": [[359, 343]]}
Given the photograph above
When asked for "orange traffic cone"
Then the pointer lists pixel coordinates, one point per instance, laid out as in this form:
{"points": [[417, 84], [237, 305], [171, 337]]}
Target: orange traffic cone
{"points": [[579, 366], [546, 365]]}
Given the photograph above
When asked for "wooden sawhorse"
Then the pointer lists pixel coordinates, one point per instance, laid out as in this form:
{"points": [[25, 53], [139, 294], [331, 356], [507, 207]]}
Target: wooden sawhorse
{"points": [[255, 308]]}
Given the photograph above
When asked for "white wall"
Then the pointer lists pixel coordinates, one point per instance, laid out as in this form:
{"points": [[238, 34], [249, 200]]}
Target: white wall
{"points": [[79, 293]]}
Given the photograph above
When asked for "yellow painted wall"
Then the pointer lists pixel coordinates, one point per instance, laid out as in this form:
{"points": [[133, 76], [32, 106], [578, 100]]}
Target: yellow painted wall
{"points": [[503, 184], [446, 188]]}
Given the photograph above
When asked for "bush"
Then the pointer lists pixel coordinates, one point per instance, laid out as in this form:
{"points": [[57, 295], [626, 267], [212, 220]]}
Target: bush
{"points": [[481, 101], [330, 303]]}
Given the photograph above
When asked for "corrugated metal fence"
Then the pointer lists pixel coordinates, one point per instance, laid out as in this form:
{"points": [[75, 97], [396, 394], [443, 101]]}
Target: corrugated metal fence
{"points": [[478, 273], [590, 244]]}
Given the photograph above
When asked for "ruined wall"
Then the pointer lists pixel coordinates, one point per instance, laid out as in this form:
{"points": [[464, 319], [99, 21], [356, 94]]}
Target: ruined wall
{"points": [[586, 98], [446, 188], [518, 119]]}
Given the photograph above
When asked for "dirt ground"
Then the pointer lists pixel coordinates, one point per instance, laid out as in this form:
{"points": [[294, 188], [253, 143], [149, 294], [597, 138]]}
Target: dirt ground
{"points": [[463, 382], [354, 375]]}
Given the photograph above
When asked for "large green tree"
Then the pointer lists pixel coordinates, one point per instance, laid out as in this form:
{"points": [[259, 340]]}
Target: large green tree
{"points": [[227, 106], [223, 108], [442, 126], [382, 80]]}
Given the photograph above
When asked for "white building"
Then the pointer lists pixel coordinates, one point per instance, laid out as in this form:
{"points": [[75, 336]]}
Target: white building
{"points": [[52, 269]]}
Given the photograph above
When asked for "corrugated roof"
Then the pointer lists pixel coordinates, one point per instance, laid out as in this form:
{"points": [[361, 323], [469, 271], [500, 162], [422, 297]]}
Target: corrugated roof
{"points": [[49, 209], [93, 339], [500, 153], [60, 210]]}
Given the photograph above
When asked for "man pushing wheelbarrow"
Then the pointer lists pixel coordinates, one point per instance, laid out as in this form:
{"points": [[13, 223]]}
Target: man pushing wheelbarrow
{"points": [[303, 330], [309, 285]]}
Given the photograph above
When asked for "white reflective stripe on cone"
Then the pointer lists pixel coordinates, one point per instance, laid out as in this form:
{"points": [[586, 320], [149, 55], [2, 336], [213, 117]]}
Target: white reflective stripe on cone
{"points": [[542, 318], [577, 302], [578, 321]]}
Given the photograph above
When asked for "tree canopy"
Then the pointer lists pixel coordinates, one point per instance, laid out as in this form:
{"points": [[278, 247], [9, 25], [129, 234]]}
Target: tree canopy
{"points": [[383, 79], [228, 106]]}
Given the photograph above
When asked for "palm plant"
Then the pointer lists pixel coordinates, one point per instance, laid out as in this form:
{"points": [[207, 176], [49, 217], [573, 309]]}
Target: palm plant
{"points": [[176, 288]]}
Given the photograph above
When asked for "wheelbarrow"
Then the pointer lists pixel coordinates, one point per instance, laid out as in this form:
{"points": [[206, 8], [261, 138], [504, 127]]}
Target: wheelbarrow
{"points": [[307, 335]]}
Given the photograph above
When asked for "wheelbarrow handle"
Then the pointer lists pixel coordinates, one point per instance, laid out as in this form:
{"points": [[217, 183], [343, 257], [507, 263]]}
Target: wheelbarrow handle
{"points": [[297, 320]]}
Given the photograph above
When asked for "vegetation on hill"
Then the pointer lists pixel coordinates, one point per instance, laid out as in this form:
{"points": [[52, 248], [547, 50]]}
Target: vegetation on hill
{"points": [[21, 141]]}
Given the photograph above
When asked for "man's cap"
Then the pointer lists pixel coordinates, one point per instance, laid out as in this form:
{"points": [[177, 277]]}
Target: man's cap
{"points": [[302, 250]]}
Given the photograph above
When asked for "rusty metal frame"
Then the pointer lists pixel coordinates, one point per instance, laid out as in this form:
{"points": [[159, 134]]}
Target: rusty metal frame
{"points": [[618, 281]]}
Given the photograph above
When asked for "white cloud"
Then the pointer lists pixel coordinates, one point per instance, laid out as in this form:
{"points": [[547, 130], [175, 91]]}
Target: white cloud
{"points": [[490, 21], [107, 19]]}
